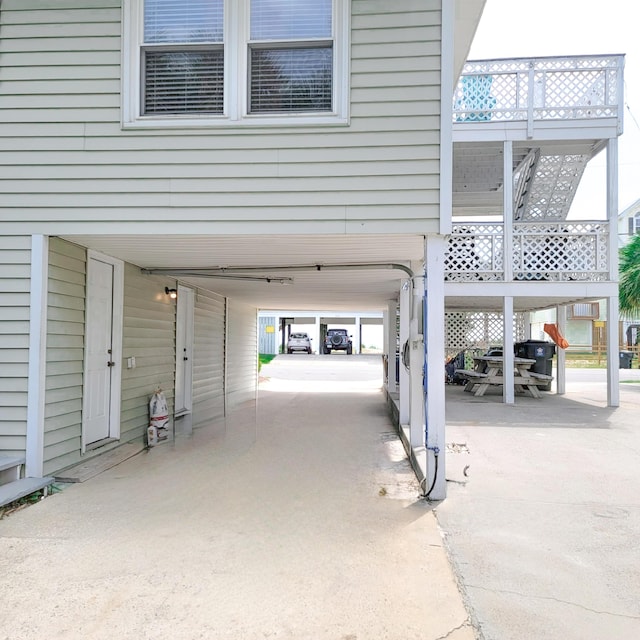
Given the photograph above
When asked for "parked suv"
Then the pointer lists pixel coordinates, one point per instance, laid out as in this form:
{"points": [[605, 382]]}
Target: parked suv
{"points": [[299, 342], [338, 340]]}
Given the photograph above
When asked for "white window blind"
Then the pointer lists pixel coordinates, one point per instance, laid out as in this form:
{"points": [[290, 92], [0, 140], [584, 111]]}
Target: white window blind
{"points": [[183, 21], [290, 19], [291, 56], [241, 62], [183, 57]]}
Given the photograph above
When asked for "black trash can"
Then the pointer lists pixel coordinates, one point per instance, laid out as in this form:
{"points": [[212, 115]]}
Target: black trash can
{"points": [[542, 352], [626, 358]]}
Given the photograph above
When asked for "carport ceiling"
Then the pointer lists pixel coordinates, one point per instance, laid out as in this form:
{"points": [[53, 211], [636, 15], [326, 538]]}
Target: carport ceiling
{"points": [[333, 290]]}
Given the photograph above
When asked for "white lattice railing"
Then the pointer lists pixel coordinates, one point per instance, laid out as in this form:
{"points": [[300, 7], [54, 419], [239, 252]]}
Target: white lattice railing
{"points": [[549, 251], [567, 88]]}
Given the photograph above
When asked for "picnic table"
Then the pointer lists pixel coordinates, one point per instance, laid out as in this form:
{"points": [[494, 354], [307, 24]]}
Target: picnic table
{"points": [[488, 372]]}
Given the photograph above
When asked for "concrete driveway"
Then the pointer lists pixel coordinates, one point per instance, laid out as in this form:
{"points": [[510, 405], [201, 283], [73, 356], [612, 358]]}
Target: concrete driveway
{"points": [[298, 518], [543, 512]]}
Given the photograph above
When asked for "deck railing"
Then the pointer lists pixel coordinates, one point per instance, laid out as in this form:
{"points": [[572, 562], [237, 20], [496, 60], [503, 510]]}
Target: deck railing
{"points": [[528, 89], [550, 251]]}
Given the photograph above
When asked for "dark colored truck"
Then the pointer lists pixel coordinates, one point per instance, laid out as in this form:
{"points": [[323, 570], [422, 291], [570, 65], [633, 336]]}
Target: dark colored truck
{"points": [[337, 340]]}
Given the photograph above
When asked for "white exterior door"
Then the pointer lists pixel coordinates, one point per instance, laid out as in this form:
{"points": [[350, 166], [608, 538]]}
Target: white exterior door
{"points": [[184, 349], [101, 400]]}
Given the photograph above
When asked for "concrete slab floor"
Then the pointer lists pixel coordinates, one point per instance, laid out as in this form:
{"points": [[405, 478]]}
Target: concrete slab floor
{"points": [[296, 518], [542, 518]]}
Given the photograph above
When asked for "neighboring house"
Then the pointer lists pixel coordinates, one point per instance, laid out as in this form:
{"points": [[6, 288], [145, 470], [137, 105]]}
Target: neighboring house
{"points": [[262, 154], [628, 223], [628, 226]]}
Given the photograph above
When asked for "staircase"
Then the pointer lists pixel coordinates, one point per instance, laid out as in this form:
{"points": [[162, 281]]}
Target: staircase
{"points": [[12, 485]]}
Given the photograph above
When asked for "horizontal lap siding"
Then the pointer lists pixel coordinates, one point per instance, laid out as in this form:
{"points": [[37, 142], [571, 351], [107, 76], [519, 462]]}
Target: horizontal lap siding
{"points": [[149, 336], [65, 355], [15, 279], [242, 354], [208, 358], [65, 157]]}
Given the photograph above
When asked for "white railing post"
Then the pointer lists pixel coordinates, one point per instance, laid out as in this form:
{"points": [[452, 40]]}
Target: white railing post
{"points": [[507, 204], [530, 99]]}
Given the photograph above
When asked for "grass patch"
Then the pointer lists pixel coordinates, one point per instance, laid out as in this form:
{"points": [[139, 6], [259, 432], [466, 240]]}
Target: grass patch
{"points": [[264, 358], [592, 360], [28, 500]]}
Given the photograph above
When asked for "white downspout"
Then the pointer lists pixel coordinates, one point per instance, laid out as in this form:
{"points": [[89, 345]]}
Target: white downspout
{"points": [[435, 421]]}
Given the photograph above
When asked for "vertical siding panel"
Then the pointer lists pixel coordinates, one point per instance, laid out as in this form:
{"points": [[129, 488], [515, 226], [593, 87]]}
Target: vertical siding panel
{"points": [[208, 358], [267, 339], [15, 279], [242, 354]]}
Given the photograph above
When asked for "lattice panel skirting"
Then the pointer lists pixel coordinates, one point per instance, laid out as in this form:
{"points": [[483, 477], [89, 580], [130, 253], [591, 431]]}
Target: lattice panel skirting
{"points": [[478, 330]]}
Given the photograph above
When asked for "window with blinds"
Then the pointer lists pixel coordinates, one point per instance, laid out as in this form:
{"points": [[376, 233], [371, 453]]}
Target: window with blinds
{"points": [[240, 62], [183, 57], [290, 56]]}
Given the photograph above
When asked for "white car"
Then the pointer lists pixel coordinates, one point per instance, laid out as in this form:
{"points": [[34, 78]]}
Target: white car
{"points": [[299, 342]]}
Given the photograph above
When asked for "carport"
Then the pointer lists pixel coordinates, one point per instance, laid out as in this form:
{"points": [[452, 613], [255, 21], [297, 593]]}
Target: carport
{"points": [[334, 273]]}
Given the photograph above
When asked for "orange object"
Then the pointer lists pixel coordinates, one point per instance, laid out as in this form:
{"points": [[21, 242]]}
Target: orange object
{"points": [[556, 336]]}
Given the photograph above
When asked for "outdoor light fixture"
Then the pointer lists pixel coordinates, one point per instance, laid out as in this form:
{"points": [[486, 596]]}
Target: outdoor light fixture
{"points": [[172, 293]]}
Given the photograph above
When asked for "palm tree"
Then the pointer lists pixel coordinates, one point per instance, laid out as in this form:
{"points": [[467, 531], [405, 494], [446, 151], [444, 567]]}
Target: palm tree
{"points": [[629, 288]]}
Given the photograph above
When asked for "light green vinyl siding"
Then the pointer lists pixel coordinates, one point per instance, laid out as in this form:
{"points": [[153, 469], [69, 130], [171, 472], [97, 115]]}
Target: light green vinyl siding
{"points": [[242, 354], [149, 336], [149, 318], [65, 355], [208, 358], [15, 279], [66, 163]]}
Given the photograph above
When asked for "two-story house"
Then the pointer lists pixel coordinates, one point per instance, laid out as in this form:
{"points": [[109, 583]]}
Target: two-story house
{"points": [[170, 167]]}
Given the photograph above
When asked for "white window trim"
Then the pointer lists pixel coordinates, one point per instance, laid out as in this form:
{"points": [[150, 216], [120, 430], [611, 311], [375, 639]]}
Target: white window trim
{"points": [[235, 95]]}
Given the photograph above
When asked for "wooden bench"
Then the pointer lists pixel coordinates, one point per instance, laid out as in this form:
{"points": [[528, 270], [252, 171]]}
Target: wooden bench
{"points": [[473, 378], [467, 373], [541, 380]]}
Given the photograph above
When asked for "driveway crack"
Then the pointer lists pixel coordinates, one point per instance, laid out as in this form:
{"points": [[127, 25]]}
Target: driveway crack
{"points": [[466, 623], [573, 604]]}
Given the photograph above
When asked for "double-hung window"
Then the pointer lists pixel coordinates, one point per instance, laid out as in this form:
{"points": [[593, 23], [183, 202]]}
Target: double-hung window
{"points": [[201, 62]]}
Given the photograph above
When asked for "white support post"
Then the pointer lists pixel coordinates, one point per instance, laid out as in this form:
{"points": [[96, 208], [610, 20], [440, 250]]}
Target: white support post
{"points": [[613, 355], [561, 356], [613, 319], [507, 207], [508, 391], [37, 356], [392, 338], [416, 359], [405, 320], [435, 397]]}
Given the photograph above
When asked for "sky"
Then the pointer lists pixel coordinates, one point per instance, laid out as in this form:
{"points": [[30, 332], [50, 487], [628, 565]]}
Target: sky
{"points": [[514, 29]]}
